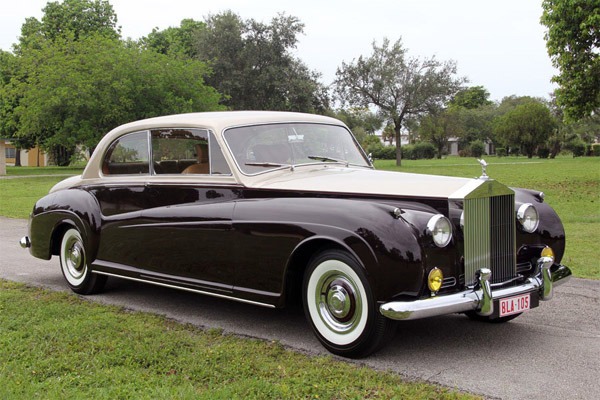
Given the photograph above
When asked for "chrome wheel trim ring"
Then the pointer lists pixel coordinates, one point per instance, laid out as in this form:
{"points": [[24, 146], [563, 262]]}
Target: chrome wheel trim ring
{"points": [[337, 302]]}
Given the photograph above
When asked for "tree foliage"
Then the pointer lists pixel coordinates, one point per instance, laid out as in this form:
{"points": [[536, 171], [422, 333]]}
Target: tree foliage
{"points": [[69, 89], [398, 85], [175, 41], [253, 64], [438, 128], [471, 98], [573, 43], [70, 18], [527, 125], [77, 90]]}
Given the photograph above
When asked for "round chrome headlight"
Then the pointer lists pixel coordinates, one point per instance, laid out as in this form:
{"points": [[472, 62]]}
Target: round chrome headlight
{"points": [[528, 217], [440, 229]]}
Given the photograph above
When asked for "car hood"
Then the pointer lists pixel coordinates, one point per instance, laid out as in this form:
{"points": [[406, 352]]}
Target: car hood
{"points": [[363, 182]]}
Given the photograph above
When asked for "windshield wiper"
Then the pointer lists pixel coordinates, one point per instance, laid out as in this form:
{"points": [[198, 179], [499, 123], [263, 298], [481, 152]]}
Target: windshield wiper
{"points": [[330, 159], [266, 164]]}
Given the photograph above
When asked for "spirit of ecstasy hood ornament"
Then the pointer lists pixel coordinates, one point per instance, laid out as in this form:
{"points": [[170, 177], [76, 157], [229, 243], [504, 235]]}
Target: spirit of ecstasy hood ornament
{"points": [[483, 169]]}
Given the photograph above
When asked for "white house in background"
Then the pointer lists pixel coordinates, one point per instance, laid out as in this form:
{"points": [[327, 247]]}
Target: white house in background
{"points": [[453, 147]]}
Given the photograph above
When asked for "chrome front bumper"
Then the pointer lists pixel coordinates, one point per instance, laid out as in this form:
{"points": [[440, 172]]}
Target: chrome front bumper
{"points": [[481, 298]]}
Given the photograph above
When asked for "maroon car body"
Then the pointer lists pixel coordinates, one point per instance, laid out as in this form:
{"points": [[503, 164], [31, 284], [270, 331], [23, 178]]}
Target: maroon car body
{"points": [[282, 207]]}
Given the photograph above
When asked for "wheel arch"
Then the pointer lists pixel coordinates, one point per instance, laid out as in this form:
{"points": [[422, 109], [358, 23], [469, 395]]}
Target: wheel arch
{"points": [[300, 257], [54, 214]]}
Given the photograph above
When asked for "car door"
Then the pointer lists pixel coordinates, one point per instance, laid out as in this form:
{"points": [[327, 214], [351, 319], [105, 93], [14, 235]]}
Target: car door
{"points": [[177, 225]]}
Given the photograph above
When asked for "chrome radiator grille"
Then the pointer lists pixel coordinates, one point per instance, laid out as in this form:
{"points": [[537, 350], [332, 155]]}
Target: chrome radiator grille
{"points": [[489, 234]]}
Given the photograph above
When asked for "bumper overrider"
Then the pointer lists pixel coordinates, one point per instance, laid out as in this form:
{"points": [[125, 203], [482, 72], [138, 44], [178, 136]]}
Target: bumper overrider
{"points": [[481, 298]]}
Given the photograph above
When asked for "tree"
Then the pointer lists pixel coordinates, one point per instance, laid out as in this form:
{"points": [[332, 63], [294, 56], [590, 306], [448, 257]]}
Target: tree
{"points": [[397, 85], [74, 18], [175, 41], [439, 127], [471, 98], [253, 65], [74, 91], [69, 20], [362, 118], [527, 126], [573, 43]]}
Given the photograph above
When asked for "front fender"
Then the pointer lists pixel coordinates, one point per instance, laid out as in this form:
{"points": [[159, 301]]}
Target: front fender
{"points": [[387, 247], [550, 231]]}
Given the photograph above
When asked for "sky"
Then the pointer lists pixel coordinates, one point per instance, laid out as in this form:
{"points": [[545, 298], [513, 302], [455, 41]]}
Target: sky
{"points": [[498, 44]]}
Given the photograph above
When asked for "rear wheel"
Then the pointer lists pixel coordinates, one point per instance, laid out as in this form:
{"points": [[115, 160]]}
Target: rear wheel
{"points": [[74, 265], [341, 308]]}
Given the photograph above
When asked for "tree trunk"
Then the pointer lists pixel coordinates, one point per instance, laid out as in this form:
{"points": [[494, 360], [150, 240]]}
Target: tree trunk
{"points": [[397, 126], [17, 156]]}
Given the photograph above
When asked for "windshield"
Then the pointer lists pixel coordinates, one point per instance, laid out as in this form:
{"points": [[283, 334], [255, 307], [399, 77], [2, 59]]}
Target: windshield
{"points": [[264, 147]]}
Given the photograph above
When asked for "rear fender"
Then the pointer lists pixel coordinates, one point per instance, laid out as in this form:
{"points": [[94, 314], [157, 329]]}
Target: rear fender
{"points": [[55, 213]]}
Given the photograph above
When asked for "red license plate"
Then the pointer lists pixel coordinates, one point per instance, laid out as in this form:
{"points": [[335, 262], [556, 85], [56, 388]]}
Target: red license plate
{"points": [[514, 305]]}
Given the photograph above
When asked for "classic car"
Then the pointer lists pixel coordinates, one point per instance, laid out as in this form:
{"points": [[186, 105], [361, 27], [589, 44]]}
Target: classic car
{"points": [[276, 208]]}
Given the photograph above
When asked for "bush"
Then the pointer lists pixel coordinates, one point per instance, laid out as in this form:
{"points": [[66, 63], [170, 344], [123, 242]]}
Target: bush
{"points": [[543, 152], [464, 153], [369, 140], [596, 149], [423, 150], [380, 152], [501, 151], [477, 148], [408, 152], [578, 148]]}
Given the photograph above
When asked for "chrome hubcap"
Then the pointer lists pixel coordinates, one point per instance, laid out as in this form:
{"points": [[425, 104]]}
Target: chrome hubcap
{"points": [[75, 259], [338, 303]]}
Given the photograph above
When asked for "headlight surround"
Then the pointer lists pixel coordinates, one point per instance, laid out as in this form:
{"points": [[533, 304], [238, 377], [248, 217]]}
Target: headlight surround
{"points": [[440, 229], [528, 217]]}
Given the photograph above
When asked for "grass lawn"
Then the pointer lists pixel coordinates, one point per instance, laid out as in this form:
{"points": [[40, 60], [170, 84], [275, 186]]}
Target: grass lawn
{"points": [[56, 346]]}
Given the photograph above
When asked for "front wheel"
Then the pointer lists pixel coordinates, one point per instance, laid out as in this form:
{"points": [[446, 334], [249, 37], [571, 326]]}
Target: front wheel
{"points": [[74, 265], [341, 308]]}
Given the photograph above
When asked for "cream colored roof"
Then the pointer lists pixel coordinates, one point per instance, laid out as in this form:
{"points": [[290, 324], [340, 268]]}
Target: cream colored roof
{"points": [[216, 121]]}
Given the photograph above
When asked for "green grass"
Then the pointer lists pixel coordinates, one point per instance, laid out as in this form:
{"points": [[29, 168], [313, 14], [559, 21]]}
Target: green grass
{"points": [[56, 345], [24, 171], [571, 185]]}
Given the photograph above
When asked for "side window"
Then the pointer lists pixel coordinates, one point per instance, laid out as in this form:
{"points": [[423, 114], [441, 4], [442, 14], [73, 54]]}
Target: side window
{"points": [[180, 151], [128, 155], [186, 151], [219, 164]]}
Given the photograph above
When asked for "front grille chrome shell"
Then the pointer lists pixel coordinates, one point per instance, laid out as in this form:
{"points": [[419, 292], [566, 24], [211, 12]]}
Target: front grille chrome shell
{"points": [[489, 230]]}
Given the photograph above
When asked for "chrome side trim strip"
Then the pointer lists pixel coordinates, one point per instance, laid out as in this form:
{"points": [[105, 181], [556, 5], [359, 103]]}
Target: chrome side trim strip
{"points": [[221, 296]]}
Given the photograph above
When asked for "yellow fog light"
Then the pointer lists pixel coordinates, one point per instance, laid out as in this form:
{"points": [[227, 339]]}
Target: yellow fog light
{"points": [[435, 279], [547, 252]]}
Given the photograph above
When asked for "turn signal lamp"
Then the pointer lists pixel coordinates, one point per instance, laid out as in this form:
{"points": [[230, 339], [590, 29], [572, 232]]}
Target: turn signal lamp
{"points": [[435, 279], [547, 252]]}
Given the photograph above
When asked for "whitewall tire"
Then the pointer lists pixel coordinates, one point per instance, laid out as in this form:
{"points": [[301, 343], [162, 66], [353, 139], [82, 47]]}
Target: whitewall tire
{"points": [[74, 265], [340, 305]]}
